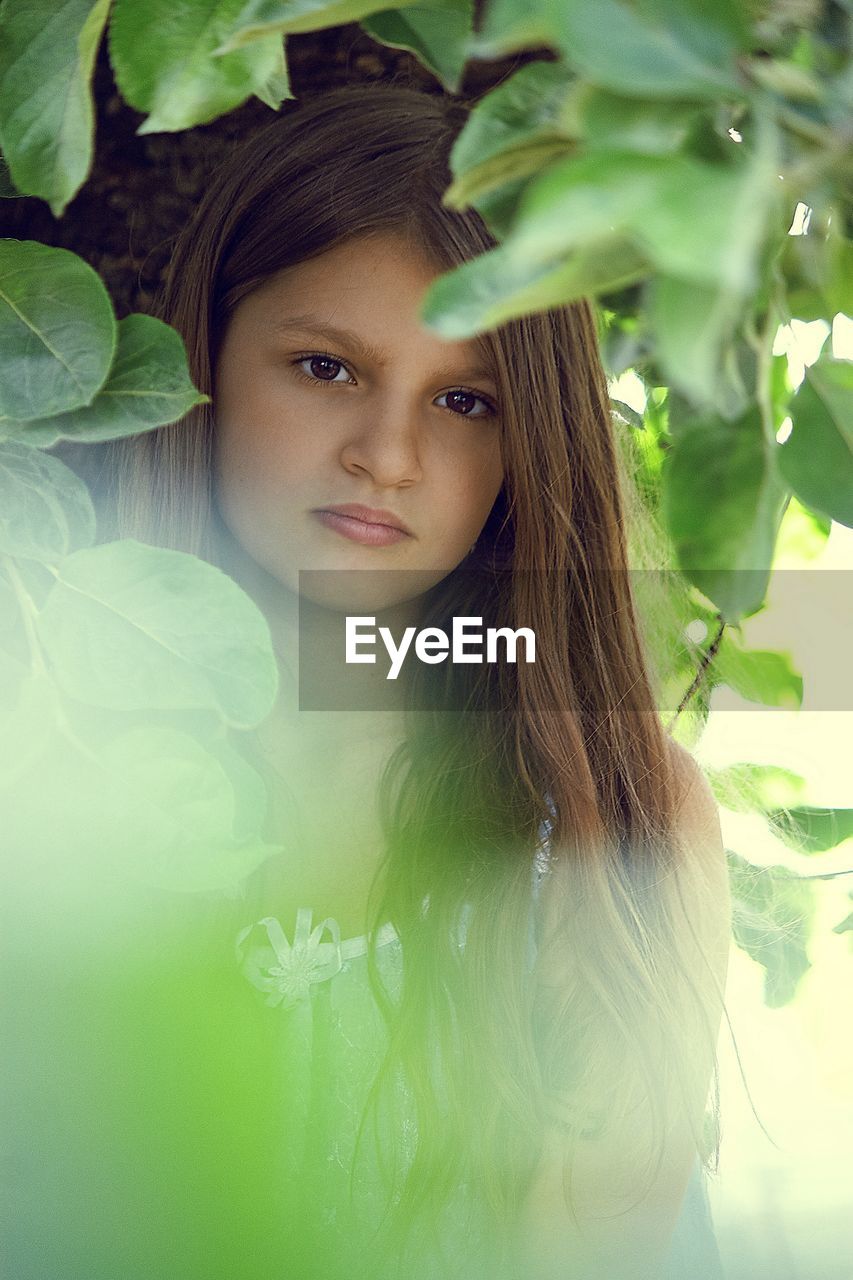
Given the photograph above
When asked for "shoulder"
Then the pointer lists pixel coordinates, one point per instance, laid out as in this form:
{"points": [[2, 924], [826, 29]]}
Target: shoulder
{"points": [[698, 894], [696, 806], [703, 865]]}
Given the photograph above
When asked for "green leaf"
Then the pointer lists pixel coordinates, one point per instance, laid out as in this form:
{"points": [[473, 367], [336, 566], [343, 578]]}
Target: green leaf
{"points": [[772, 916], [516, 120], [508, 26], [256, 19], [130, 626], [723, 503], [837, 281], [45, 509], [47, 54], [7, 610], [642, 53], [8, 191], [755, 788], [501, 173], [628, 415], [833, 379], [607, 121], [759, 675], [696, 221], [163, 51], [785, 79], [817, 457], [496, 286], [818, 267], [498, 206], [436, 33], [639, 51], [277, 86], [179, 802], [148, 804], [693, 326], [586, 199], [27, 730], [812, 828], [148, 386], [846, 925], [715, 33], [57, 331]]}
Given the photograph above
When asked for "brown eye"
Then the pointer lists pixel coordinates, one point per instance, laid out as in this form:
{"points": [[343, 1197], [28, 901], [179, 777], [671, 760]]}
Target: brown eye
{"points": [[462, 403], [322, 368]]}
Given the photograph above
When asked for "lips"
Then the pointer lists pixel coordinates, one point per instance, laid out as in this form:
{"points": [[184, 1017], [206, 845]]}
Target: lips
{"points": [[368, 515], [352, 522]]}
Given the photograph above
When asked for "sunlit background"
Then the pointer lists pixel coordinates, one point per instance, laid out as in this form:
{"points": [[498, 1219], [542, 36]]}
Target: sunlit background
{"points": [[783, 1198]]}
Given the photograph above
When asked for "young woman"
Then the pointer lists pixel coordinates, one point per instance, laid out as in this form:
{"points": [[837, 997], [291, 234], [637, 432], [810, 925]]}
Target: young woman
{"points": [[491, 951]]}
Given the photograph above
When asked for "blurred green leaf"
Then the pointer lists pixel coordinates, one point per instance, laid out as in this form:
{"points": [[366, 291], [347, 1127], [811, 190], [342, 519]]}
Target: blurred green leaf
{"points": [[755, 788], [511, 132], [508, 25], [812, 828], [437, 33], [692, 327], [628, 415], [660, 51], [498, 207], [130, 626], [148, 804], [759, 675], [723, 504], [162, 53], [818, 265], [496, 286], [608, 121], [57, 331], [838, 279], [45, 509], [695, 221], [772, 917], [255, 19], [501, 173], [47, 54], [715, 34], [785, 78], [27, 732], [273, 91], [8, 191], [817, 457], [148, 386], [179, 803]]}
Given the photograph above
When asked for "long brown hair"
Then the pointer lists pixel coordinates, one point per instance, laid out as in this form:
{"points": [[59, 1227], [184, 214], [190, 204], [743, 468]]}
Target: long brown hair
{"points": [[573, 740]]}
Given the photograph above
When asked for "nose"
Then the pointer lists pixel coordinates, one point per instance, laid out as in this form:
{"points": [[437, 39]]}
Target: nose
{"points": [[383, 443]]}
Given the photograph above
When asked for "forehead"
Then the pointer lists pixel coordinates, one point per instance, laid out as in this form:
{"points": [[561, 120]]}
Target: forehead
{"points": [[367, 293]]}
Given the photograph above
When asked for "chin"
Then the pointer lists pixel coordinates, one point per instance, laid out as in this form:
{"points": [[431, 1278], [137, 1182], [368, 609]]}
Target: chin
{"points": [[365, 591]]}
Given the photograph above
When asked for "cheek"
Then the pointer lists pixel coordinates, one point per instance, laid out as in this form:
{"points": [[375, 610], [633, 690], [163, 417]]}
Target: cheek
{"points": [[484, 483], [467, 504], [256, 444]]}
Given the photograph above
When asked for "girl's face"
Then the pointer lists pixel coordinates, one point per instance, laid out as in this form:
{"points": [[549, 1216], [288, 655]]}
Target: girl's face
{"points": [[329, 392]]}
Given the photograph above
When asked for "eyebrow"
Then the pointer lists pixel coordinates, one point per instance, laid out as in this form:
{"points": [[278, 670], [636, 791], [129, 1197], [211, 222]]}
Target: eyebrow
{"points": [[366, 350]]}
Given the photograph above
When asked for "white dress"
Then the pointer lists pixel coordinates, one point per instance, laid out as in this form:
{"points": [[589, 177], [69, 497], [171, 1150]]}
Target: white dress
{"points": [[332, 1037]]}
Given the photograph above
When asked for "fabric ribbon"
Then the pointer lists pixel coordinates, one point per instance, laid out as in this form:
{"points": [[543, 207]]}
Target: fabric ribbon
{"points": [[285, 970]]}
